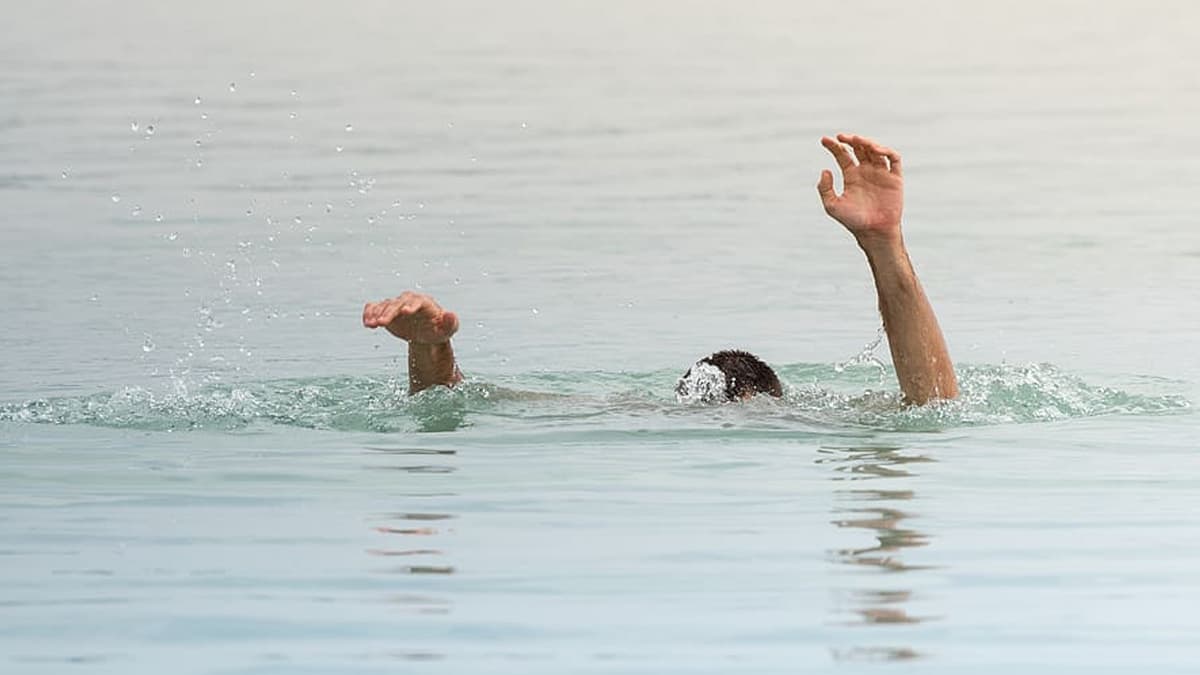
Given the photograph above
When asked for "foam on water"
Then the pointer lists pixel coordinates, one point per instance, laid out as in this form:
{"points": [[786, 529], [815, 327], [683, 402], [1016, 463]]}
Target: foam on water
{"points": [[825, 396]]}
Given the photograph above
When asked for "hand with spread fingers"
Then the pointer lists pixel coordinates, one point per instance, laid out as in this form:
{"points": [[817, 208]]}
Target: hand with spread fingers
{"points": [[870, 207], [872, 200]]}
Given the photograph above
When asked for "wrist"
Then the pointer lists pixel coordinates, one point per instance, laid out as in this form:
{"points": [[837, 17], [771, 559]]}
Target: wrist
{"points": [[880, 242]]}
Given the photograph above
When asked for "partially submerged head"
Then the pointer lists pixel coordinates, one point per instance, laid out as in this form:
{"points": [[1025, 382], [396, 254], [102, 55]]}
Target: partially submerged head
{"points": [[727, 376]]}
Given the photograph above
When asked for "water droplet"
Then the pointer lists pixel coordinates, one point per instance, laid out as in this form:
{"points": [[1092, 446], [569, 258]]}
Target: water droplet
{"points": [[203, 116], [252, 74], [291, 116], [298, 220], [66, 172], [116, 198], [349, 128], [339, 148], [172, 236], [133, 126], [158, 218], [150, 130], [199, 163], [524, 126], [198, 142], [197, 101], [535, 311], [249, 212], [95, 297], [328, 207], [137, 211], [148, 345], [233, 86], [294, 93]]}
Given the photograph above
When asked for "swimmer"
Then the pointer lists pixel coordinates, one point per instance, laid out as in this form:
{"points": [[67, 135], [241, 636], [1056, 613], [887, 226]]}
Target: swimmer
{"points": [[869, 207]]}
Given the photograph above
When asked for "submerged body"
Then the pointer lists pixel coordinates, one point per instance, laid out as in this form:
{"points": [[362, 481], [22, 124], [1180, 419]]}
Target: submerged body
{"points": [[870, 208]]}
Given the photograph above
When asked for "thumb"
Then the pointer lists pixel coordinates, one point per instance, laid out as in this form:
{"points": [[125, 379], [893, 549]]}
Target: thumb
{"points": [[825, 189]]}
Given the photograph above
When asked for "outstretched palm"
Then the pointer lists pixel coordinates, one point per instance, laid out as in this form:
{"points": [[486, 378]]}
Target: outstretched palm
{"points": [[873, 198], [413, 317]]}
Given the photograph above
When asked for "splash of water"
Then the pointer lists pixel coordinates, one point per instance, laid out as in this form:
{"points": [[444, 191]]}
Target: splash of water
{"points": [[829, 396]]}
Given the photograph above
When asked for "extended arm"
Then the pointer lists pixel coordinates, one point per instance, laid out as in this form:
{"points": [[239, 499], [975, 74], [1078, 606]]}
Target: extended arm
{"points": [[870, 207], [427, 328]]}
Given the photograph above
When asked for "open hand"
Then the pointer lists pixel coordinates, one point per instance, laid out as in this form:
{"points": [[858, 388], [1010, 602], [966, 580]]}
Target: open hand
{"points": [[873, 199], [413, 317]]}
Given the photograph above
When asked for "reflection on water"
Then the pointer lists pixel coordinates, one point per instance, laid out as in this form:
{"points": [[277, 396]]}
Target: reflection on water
{"points": [[878, 511], [415, 535]]}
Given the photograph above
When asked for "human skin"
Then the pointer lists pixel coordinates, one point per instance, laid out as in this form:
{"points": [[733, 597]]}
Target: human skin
{"points": [[420, 321], [870, 208]]}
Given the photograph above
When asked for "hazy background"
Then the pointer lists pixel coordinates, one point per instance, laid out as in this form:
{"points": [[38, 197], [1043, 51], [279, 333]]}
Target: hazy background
{"points": [[640, 173]]}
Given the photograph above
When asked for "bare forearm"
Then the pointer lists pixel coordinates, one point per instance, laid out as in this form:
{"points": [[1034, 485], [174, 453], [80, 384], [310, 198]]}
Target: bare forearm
{"points": [[430, 365], [918, 347]]}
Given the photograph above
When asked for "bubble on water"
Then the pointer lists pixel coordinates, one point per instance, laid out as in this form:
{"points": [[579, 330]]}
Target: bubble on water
{"points": [[197, 101], [116, 198], [133, 126], [148, 345], [150, 130], [172, 236], [338, 148], [233, 86], [137, 211]]}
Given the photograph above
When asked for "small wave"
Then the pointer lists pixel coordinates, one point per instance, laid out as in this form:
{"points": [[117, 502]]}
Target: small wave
{"points": [[828, 396]]}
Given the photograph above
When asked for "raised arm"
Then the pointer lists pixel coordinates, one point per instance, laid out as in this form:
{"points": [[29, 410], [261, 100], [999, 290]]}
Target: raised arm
{"points": [[427, 328], [870, 207]]}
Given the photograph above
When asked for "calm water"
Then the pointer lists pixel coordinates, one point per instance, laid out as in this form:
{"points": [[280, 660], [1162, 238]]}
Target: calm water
{"points": [[207, 466]]}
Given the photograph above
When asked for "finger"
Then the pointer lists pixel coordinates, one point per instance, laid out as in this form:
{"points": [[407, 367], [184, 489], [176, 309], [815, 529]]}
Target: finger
{"points": [[825, 189], [448, 324], [844, 159], [390, 312], [864, 148], [368, 315], [373, 311], [893, 160]]}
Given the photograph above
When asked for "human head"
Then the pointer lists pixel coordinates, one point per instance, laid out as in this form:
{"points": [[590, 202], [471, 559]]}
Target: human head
{"points": [[729, 375]]}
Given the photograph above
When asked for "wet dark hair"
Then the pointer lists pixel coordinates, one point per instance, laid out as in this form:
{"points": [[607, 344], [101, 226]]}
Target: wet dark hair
{"points": [[745, 375]]}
